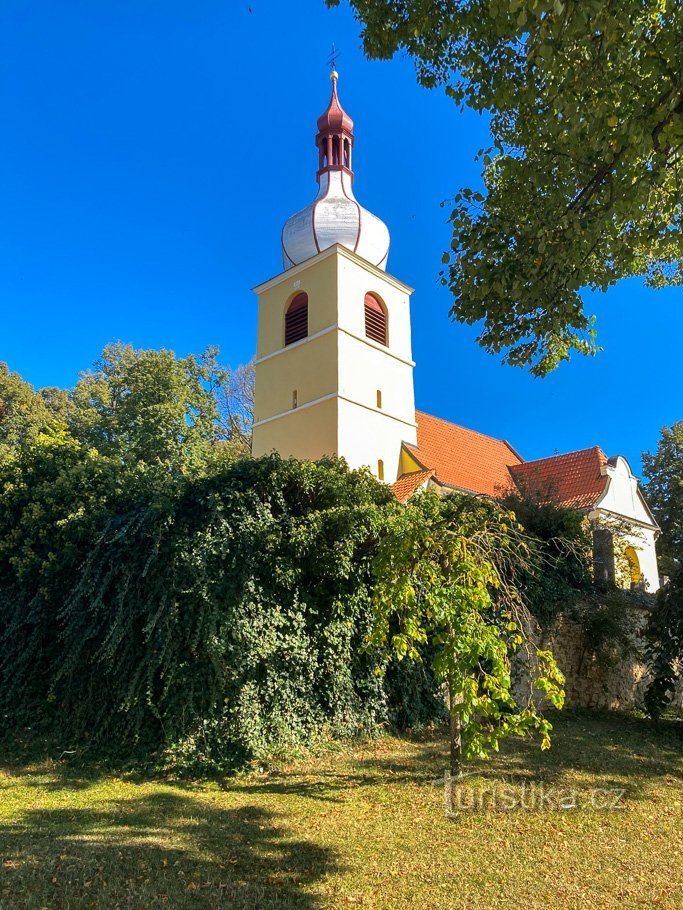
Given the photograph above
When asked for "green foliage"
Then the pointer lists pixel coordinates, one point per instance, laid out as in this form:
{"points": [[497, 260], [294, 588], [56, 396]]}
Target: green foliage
{"points": [[665, 645], [606, 619], [664, 473], [225, 620], [560, 542], [561, 584], [150, 410], [71, 462], [415, 695], [147, 411], [582, 177], [444, 580], [156, 594], [25, 413], [235, 402]]}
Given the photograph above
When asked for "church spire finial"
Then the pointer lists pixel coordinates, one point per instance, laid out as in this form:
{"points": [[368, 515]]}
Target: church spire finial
{"points": [[335, 132], [332, 63]]}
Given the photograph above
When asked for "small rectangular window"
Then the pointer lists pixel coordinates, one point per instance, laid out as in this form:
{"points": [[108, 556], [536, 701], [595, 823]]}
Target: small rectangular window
{"points": [[379, 398], [295, 399], [380, 469]]}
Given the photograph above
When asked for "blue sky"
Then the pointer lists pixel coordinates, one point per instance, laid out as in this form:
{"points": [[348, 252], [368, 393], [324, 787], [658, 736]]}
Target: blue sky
{"points": [[150, 151]]}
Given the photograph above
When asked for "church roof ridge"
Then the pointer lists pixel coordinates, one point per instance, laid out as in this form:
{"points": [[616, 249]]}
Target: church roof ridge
{"points": [[460, 426], [563, 455]]}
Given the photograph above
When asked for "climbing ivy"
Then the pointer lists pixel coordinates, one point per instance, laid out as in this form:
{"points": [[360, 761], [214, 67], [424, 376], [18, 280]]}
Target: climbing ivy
{"points": [[220, 622]]}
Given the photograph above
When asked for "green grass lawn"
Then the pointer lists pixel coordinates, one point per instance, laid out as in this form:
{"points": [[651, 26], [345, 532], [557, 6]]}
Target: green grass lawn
{"points": [[362, 827]]}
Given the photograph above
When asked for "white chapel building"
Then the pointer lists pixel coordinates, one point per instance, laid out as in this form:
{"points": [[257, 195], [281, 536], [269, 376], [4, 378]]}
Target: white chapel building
{"points": [[334, 375]]}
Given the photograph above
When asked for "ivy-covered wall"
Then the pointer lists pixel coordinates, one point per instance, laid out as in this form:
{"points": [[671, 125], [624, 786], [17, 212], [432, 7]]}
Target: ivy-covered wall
{"points": [[222, 620]]}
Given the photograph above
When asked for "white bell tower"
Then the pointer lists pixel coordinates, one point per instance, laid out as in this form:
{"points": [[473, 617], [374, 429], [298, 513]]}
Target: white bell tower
{"points": [[334, 369]]}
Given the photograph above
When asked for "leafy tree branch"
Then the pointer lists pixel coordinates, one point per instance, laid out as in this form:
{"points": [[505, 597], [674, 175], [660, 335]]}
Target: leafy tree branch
{"points": [[582, 180]]}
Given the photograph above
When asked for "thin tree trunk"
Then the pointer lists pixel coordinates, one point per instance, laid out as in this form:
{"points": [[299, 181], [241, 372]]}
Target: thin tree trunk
{"points": [[456, 732], [455, 773]]}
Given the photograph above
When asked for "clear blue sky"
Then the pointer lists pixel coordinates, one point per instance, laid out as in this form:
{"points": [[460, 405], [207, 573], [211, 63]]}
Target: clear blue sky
{"points": [[150, 151]]}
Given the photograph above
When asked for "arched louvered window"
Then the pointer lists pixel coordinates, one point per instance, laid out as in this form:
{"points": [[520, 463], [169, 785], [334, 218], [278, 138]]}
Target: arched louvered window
{"points": [[296, 319], [375, 319]]}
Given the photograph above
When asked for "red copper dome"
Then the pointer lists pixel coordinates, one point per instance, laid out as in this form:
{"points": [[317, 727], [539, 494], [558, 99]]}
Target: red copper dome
{"points": [[335, 119]]}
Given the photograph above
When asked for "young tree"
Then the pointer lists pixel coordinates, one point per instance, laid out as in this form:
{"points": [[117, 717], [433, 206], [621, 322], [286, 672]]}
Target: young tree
{"points": [[235, 401], [583, 174], [445, 577]]}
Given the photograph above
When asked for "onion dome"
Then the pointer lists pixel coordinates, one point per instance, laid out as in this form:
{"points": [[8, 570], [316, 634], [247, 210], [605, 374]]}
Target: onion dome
{"points": [[335, 119], [334, 216]]}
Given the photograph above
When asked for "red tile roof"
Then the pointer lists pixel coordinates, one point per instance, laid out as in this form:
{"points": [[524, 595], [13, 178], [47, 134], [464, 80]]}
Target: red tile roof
{"points": [[463, 458], [408, 484], [574, 479], [467, 460]]}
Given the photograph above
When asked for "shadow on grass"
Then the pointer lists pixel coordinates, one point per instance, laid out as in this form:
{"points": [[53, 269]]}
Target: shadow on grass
{"points": [[604, 749], [163, 850], [602, 745], [601, 750], [609, 748]]}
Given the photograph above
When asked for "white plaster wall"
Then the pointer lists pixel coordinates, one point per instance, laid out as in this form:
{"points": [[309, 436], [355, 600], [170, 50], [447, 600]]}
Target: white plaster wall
{"points": [[365, 369], [365, 436], [623, 498], [644, 545], [623, 495], [367, 433]]}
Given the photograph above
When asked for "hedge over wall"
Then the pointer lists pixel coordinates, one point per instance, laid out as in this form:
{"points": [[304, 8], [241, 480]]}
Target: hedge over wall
{"points": [[219, 621]]}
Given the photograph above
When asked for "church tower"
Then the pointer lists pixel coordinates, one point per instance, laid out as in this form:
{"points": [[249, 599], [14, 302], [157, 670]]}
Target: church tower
{"points": [[334, 369]]}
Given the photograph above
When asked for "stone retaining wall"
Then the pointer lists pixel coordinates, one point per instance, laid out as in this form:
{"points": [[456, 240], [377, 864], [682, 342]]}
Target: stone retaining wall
{"points": [[616, 684]]}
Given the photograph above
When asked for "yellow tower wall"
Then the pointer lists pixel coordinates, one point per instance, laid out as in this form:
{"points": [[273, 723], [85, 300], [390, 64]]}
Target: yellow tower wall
{"points": [[309, 368], [308, 433], [318, 278], [336, 371]]}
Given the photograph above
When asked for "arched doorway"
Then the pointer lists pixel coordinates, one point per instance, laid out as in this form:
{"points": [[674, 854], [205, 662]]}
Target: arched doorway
{"points": [[633, 566]]}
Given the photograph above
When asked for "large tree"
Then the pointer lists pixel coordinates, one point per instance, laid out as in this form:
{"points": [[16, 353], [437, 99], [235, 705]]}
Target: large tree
{"points": [[582, 177], [664, 473], [24, 412], [151, 407], [131, 429]]}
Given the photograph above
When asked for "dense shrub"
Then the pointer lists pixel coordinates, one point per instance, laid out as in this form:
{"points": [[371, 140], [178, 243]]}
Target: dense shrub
{"points": [[664, 645], [159, 596], [561, 546], [415, 697], [226, 620], [664, 472], [156, 594]]}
